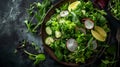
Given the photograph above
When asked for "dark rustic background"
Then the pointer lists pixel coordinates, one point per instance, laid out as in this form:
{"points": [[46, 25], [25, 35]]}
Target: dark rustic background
{"points": [[13, 30]]}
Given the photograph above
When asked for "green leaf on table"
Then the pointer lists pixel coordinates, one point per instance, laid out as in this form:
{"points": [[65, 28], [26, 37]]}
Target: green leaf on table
{"points": [[31, 57], [40, 57]]}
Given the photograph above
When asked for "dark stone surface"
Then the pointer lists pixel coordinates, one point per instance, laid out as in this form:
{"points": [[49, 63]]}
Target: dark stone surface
{"points": [[13, 30]]}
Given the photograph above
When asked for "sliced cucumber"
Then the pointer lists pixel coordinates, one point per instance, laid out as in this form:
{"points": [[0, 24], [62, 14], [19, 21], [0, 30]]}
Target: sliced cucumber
{"points": [[57, 34], [49, 40], [48, 30]]}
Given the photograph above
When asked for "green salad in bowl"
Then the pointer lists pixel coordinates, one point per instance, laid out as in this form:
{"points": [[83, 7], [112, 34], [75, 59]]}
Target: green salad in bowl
{"points": [[74, 31]]}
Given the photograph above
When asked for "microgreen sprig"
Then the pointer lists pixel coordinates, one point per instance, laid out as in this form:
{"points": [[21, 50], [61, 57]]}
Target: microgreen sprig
{"points": [[36, 57], [37, 11]]}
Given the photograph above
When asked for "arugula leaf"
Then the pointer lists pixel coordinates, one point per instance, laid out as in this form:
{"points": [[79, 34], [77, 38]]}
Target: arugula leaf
{"points": [[37, 58]]}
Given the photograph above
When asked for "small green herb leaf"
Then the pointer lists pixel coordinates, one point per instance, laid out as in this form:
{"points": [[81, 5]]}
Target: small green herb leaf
{"points": [[105, 61], [40, 57]]}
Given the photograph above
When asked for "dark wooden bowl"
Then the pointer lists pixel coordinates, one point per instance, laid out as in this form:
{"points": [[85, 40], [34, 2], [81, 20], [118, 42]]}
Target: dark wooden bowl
{"points": [[44, 35]]}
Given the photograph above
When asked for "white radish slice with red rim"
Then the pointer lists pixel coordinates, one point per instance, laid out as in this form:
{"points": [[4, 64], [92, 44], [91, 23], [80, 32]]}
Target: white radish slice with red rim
{"points": [[64, 13], [71, 44], [89, 24]]}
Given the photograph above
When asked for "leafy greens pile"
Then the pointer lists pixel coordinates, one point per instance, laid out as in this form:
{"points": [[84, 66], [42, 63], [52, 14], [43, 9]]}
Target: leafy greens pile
{"points": [[67, 24], [114, 6]]}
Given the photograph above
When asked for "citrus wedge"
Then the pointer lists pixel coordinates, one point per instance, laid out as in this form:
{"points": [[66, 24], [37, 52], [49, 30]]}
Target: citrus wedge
{"points": [[73, 5], [99, 33]]}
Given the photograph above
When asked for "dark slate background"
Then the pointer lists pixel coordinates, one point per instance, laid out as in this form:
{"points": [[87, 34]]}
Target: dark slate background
{"points": [[13, 30]]}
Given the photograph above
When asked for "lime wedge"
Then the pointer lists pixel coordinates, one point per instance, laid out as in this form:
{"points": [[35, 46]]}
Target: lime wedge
{"points": [[73, 5]]}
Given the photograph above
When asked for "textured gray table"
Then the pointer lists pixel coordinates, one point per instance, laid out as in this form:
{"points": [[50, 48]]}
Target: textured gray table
{"points": [[13, 30]]}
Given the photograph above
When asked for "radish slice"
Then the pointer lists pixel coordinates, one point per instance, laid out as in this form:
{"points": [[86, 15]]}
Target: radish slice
{"points": [[89, 24], [94, 44], [64, 13], [71, 45]]}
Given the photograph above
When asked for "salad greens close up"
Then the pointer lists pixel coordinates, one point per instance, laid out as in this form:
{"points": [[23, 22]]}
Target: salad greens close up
{"points": [[114, 6], [76, 31]]}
